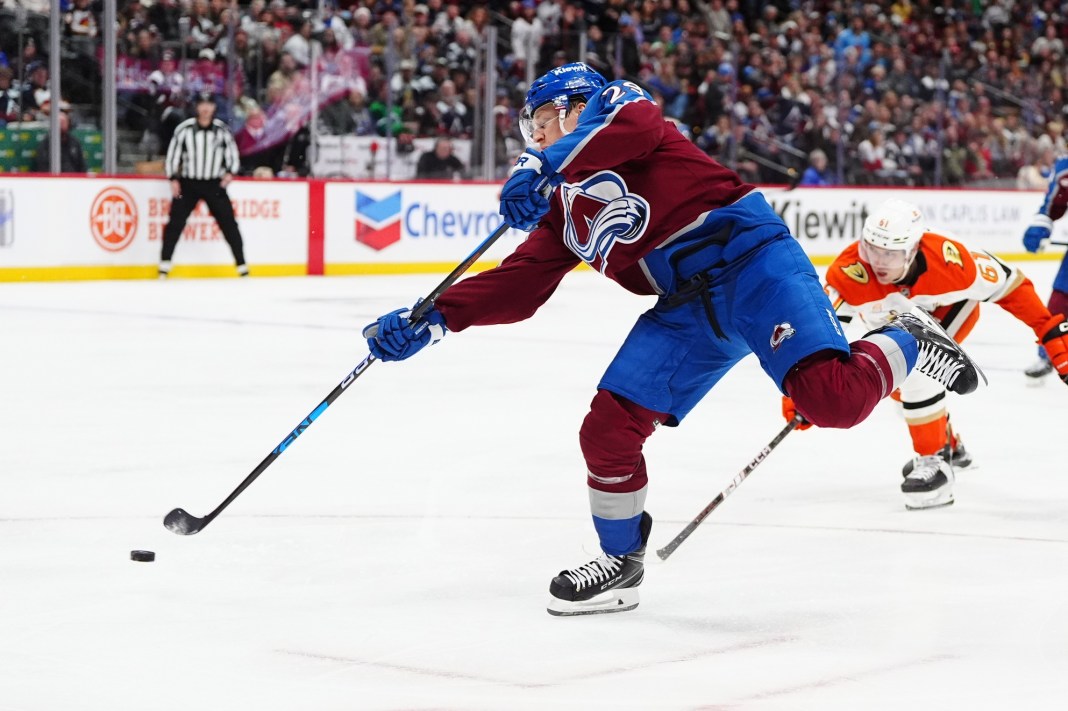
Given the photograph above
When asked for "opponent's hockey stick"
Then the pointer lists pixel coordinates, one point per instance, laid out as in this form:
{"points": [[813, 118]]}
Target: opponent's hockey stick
{"points": [[184, 523], [692, 525]]}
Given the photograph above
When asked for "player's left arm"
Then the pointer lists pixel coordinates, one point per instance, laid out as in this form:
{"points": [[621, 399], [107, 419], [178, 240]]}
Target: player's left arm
{"points": [[620, 123]]}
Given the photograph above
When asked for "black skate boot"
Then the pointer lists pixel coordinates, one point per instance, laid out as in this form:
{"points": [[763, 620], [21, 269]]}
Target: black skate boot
{"points": [[929, 484], [940, 358], [606, 584], [1036, 372]]}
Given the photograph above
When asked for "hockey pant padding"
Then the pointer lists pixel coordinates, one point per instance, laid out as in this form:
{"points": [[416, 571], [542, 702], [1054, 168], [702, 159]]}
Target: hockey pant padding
{"points": [[832, 391], [611, 438]]}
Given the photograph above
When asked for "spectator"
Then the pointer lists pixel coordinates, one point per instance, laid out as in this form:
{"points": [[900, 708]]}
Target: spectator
{"points": [[440, 163], [527, 34], [262, 63], [300, 44], [872, 154], [455, 117], [71, 155], [816, 174], [35, 88], [350, 116], [9, 101], [1035, 175]]}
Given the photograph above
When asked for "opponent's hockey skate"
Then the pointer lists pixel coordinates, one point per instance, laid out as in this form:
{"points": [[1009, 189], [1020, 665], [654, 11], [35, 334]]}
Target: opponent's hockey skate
{"points": [[1036, 372], [929, 484], [958, 457], [940, 358], [606, 584]]}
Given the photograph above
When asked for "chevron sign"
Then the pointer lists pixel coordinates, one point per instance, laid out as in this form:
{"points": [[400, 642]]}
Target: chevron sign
{"points": [[378, 221]]}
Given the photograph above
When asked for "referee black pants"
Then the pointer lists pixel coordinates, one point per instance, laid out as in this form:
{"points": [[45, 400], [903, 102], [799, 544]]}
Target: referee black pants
{"points": [[214, 196]]}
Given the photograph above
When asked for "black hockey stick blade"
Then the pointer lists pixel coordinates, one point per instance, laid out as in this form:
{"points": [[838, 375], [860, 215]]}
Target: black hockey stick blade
{"points": [[185, 524], [738, 479]]}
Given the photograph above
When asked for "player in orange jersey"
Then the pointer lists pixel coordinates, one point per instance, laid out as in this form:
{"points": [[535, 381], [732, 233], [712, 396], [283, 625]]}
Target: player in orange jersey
{"points": [[899, 263]]}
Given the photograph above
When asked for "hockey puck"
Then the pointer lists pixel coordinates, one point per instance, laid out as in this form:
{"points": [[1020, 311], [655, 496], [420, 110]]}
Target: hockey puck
{"points": [[143, 556]]}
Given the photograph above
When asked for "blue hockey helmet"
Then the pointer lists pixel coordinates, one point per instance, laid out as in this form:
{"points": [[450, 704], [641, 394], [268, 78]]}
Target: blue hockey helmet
{"points": [[558, 86]]}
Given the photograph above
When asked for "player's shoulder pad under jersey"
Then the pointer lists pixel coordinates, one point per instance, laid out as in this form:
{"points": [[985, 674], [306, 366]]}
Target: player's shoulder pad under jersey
{"points": [[1059, 166], [617, 93]]}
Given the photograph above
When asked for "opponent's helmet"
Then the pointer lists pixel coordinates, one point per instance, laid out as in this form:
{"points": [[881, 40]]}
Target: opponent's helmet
{"points": [[891, 237], [895, 224], [558, 87]]}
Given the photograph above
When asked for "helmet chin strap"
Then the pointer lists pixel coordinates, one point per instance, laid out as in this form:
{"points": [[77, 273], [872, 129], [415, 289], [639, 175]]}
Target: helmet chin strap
{"points": [[563, 115]]}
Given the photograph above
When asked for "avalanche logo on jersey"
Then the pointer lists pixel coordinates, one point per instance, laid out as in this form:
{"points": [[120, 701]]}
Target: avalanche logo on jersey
{"points": [[600, 212]]}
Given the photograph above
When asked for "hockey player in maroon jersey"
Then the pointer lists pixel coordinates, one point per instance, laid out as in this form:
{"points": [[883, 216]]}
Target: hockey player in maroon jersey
{"points": [[1035, 238], [639, 203]]}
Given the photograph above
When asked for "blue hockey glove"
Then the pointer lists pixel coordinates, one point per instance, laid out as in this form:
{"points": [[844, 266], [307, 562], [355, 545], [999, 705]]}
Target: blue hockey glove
{"points": [[522, 200], [1037, 233], [395, 337]]}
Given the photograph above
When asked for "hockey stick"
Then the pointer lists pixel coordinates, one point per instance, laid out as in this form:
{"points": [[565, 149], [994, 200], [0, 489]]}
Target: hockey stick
{"points": [[185, 524], [738, 479]]}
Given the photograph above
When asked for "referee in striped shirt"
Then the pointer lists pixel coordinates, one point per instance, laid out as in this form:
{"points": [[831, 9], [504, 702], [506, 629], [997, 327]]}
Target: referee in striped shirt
{"points": [[202, 159]]}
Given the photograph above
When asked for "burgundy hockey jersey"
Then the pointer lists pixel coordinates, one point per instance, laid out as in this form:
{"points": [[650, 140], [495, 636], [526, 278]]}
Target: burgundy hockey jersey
{"points": [[633, 184]]}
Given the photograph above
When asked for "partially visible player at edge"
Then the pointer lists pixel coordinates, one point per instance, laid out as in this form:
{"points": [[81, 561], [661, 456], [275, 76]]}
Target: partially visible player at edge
{"points": [[1035, 238], [898, 262], [646, 208]]}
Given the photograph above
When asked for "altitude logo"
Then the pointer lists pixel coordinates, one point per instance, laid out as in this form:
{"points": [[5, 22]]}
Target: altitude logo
{"points": [[378, 221]]}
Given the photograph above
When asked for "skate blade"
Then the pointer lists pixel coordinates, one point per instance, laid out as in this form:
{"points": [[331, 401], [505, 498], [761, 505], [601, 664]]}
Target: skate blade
{"points": [[928, 500], [612, 601]]}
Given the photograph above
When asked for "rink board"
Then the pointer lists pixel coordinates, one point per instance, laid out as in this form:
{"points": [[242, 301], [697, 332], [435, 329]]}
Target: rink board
{"points": [[91, 228]]}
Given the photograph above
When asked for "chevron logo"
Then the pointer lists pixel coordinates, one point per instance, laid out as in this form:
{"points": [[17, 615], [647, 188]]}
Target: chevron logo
{"points": [[378, 223]]}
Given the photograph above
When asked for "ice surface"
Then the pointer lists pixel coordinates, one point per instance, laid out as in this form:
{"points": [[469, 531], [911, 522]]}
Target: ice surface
{"points": [[398, 555]]}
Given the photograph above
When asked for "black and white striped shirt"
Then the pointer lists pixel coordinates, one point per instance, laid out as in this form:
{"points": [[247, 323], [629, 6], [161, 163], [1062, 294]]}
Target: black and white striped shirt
{"points": [[202, 153]]}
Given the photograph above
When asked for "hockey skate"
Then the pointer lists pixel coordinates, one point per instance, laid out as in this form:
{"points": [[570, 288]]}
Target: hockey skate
{"points": [[940, 357], [956, 454], [606, 584], [929, 484], [1036, 372]]}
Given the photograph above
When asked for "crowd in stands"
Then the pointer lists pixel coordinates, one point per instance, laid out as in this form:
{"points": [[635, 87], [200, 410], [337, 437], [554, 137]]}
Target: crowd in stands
{"points": [[909, 92]]}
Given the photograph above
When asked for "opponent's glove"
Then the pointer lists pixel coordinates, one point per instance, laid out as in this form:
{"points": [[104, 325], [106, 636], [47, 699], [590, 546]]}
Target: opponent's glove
{"points": [[789, 411], [395, 337], [522, 201], [1037, 233], [1055, 341]]}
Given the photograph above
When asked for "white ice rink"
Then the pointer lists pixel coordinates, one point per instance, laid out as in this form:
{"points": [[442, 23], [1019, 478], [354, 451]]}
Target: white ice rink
{"points": [[398, 556]]}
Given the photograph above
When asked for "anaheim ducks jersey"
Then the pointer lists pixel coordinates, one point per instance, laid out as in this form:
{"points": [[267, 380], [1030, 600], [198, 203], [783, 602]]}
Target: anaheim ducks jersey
{"points": [[947, 279]]}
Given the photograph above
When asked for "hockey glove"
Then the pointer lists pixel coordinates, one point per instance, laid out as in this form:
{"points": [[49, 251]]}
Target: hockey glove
{"points": [[789, 411], [1055, 341], [395, 337], [1037, 233], [522, 200]]}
